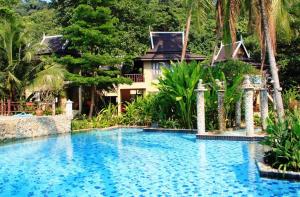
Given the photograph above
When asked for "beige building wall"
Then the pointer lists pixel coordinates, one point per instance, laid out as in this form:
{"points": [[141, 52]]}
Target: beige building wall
{"points": [[149, 84]]}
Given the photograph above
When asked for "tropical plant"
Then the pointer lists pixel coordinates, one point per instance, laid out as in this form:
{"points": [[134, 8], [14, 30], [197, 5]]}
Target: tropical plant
{"points": [[291, 98], [16, 51], [284, 142], [107, 117], [48, 80], [138, 112], [178, 84], [232, 74]]}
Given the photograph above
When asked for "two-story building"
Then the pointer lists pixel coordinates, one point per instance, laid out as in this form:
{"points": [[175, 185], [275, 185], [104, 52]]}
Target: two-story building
{"points": [[166, 47]]}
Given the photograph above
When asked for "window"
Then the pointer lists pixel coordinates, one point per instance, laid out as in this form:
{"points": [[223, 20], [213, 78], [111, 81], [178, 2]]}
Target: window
{"points": [[156, 68]]}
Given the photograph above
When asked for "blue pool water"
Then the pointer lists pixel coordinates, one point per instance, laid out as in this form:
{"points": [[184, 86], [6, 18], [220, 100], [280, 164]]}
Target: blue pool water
{"points": [[130, 162]]}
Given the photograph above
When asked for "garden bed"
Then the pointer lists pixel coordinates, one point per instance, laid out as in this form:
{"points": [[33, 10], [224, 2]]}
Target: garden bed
{"points": [[269, 172]]}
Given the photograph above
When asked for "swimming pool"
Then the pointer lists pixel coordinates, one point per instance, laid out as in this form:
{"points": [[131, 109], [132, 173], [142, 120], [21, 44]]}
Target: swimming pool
{"points": [[129, 162]]}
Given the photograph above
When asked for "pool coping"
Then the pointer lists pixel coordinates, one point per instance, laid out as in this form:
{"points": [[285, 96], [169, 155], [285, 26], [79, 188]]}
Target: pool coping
{"points": [[224, 136], [107, 128], [267, 171], [211, 135], [167, 130]]}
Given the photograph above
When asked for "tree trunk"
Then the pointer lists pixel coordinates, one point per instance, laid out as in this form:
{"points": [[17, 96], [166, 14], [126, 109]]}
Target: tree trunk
{"points": [[93, 91], [80, 97], [80, 100], [272, 62], [186, 36]]}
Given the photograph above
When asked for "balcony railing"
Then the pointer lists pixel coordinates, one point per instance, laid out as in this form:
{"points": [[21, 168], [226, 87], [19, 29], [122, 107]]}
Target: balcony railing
{"points": [[135, 77]]}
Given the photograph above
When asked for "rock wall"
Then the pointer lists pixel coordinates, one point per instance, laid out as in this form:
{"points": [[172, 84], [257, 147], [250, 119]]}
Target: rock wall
{"points": [[35, 126]]}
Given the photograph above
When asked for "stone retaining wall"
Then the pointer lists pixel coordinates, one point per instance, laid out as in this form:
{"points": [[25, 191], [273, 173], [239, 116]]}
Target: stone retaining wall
{"points": [[35, 126]]}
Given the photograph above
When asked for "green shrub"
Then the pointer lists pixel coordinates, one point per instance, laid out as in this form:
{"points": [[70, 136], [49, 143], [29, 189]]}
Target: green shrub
{"points": [[291, 98], [107, 117], [172, 124], [178, 86], [284, 141], [138, 112], [257, 120]]}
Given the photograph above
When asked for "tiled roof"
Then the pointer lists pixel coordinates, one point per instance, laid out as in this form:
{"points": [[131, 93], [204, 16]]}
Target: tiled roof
{"points": [[53, 44], [150, 56], [166, 41], [167, 46]]}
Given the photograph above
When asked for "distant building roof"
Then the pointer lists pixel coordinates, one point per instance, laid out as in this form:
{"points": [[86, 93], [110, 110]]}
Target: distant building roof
{"points": [[166, 41], [53, 44], [167, 46], [230, 51]]}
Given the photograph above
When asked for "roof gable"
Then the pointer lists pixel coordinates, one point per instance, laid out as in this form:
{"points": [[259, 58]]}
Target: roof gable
{"points": [[54, 44], [166, 41], [229, 51]]}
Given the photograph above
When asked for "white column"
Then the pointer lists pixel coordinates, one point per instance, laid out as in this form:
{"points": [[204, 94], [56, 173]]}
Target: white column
{"points": [[69, 109], [264, 108], [248, 94], [200, 108]]}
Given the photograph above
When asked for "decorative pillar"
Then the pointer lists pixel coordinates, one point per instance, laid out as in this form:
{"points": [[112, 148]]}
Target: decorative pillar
{"points": [[264, 108], [238, 113], [69, 109], [221, 107], [200, 108], [248, 97]]}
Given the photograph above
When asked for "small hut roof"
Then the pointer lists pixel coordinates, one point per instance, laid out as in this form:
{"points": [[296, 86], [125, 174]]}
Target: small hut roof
{"points": [[230, 51]]}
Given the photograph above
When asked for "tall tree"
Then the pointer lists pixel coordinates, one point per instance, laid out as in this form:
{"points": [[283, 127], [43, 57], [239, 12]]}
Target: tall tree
{"points": [[199, 8], [272, 61], [92, 32], [15, 49]]}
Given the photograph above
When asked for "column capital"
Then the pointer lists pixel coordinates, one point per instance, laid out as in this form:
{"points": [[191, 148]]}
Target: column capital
{"points": [[247, 84], [200, 87]]}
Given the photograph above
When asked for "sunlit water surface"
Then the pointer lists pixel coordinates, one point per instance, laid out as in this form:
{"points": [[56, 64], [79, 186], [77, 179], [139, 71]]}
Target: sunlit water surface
{"points": [[129, 162]]}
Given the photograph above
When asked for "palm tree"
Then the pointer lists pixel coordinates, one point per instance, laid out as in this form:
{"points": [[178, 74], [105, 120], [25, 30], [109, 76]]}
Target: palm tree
{"points": [[15, 49], [199, 8], [264, 16], [48, 80], [272, 61]]}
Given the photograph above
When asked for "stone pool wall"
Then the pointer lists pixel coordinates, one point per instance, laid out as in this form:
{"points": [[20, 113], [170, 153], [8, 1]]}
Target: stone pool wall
{"points": [[35, 126]]}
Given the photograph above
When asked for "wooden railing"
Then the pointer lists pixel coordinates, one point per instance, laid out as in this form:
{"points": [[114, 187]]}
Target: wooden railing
{"points": [[135, 77], [9, 108]]}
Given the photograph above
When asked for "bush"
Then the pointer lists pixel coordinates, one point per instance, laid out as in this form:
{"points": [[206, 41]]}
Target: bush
{"points": [[178, 86], [291, 98], [138, 112], [284, 140]]}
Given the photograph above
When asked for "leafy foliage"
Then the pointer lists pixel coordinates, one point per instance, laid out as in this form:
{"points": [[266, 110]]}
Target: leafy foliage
{"points": [[284, 140], [178, 85]]}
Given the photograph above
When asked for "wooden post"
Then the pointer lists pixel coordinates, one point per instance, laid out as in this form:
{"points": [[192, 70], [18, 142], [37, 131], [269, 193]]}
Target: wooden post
{"points": [[53, 108], [2, 107], [8, 107]]}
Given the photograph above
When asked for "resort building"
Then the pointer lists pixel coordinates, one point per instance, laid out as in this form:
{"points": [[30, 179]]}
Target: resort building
{"points": [[166, 47]]}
